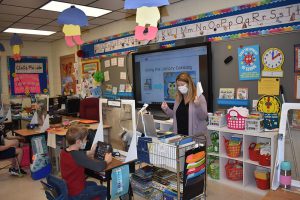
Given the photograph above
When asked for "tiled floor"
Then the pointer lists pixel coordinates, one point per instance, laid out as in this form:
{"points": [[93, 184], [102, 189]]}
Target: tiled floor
{"points": [[15, 188]]}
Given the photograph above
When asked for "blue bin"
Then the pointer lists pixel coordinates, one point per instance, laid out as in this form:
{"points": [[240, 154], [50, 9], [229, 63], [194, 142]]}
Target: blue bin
{"points": [[42, 173]]}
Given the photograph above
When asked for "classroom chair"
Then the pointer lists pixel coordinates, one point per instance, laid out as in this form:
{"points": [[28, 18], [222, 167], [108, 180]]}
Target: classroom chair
{"points": [[89, 109], [55, 188]]}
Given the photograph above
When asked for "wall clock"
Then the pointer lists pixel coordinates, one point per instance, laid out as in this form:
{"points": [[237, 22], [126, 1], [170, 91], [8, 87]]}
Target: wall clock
{"points": [[269, 104], [272, 59]]}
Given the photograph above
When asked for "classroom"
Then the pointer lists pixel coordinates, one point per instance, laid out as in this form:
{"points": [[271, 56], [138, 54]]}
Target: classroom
{"points": [[151, 99]]}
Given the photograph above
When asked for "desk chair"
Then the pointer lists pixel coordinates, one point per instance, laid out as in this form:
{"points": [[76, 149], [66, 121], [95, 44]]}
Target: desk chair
{"points": [[89, 109], [55, 188]]}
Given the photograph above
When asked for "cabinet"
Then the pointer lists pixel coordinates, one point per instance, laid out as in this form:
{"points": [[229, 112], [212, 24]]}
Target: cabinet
{"points": [[248, 183]]}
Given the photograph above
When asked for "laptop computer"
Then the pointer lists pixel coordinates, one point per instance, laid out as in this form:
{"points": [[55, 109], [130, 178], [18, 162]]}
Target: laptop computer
{"points": [[150, 130]]}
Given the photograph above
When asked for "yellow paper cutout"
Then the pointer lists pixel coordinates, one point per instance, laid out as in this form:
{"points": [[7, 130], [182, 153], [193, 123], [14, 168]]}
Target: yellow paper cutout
{"points": [[71, 30], [147, 15], [268, 86], [16, 49]]}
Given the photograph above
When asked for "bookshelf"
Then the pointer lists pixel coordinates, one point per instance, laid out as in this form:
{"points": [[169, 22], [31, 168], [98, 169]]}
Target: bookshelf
{"points": [[248, 183]]}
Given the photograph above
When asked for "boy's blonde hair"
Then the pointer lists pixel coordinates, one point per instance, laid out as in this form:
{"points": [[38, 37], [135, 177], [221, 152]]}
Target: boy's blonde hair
{"points": [[76, 133]]}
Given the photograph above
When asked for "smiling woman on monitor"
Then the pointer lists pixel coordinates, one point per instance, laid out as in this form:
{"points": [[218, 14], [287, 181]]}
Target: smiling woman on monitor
{"points": [[190, 111]]}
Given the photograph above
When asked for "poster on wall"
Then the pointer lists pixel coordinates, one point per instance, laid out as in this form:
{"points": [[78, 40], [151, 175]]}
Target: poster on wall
{"points": [[67, 71], [249, 63], [28, 76]]}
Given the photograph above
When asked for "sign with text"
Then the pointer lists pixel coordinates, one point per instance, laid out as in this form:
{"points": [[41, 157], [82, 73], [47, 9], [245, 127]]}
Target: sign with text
{"points": [[249, 63], [28, 76], [27, 83], [29, 68]]}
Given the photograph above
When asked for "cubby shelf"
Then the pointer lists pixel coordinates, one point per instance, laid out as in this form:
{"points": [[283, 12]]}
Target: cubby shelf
{"points": [[248, 183]]}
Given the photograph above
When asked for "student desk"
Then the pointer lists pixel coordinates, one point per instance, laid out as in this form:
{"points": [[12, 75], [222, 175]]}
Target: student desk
{"points": [[281, 194]]}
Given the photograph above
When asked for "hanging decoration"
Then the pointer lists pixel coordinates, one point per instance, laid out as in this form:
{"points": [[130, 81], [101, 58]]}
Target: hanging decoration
{"points": [[147, 14], [72, 19], [98, 76], [80, 53], [15, 43]]}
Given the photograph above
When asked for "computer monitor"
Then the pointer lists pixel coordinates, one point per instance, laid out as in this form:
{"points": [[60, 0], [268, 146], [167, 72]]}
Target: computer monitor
{"points": [[72, 106]]}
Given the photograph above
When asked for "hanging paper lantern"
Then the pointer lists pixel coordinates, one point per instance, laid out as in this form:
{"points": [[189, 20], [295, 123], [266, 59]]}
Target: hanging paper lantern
{"points": [[72, 19], [15, 43], [147, 13], [98, 76]]}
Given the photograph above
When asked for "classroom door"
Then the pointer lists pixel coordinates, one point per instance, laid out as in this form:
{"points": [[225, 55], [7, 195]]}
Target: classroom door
{"points": [[68, 80]]}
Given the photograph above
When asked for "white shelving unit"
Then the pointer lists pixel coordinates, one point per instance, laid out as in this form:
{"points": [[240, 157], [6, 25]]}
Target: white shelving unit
{"points": [[248, 183]]}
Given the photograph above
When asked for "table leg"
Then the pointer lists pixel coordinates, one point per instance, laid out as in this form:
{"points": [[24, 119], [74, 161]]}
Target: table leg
{"points": [[108, 177]]}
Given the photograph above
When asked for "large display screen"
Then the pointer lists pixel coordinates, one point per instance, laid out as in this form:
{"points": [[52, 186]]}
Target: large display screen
{"points": [[155, 72]]}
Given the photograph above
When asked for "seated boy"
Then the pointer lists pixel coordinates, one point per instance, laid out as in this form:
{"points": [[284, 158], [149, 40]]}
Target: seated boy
{"points": [[74, 162], [10, 149]]}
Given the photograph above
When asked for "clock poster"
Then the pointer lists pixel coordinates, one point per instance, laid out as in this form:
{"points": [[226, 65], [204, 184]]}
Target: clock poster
{"points": [[272, 59], [249, 63]]}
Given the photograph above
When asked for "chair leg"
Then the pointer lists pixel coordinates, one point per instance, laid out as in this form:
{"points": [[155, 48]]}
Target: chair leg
{"points": [[18, 165]]}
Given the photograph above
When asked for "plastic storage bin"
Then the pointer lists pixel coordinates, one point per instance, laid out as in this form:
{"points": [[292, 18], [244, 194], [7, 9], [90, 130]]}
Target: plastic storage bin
{"points": [[234, 170], [253, 152], [232, 150], [254, 125], [218, 121], [235, 120]]}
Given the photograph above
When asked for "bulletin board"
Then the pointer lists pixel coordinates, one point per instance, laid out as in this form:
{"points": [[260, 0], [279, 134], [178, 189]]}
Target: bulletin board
{"points": [[117, 84], [28, 76]]}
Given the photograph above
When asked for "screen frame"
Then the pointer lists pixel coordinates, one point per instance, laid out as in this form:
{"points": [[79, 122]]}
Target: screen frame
{"points": [[205, 74]]}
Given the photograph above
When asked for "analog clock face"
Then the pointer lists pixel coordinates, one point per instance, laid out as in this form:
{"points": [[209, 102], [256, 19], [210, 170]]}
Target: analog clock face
{"points": [[273, 58], [268, 104]]}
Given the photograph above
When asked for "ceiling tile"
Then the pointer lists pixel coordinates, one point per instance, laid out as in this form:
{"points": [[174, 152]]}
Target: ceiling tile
{"points": [[57, 34], [44, 14], [81, 2], [5, 24], [25, 3], [13, 10], [33, 37], [25, 25], [10, 18], [131, 11], [50, 28], [46, 39], [116, 15], [100, 21], [174, 1], [54, 23], [34, 20], [110, 5]]}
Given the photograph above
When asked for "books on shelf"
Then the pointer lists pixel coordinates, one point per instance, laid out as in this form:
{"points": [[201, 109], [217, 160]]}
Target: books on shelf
{"points": [[242, 93], [226, 93]]}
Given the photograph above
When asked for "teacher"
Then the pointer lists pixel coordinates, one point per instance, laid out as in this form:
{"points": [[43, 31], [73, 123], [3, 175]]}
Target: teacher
{"points": [[190, 111]]}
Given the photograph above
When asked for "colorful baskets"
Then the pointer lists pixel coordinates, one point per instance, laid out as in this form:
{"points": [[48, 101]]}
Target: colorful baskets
{"points": [[265, 160], [253, 152], [234, 170], [262, 184], [235, 121], [234, 150], [214, 171]]}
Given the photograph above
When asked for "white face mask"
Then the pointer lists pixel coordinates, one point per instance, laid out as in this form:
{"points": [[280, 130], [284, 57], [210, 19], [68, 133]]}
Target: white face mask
{"points": [[183, 89], [83, 144]]}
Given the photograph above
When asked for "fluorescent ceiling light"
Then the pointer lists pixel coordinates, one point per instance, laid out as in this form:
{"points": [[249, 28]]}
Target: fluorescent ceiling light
{"points": [[60, 6], [28, 31]]}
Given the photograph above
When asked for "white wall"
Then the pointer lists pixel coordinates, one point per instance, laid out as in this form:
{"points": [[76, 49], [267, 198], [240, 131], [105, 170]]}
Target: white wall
{"points": [[29, 49]]}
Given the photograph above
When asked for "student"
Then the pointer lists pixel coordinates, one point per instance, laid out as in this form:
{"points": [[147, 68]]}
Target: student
{"points": [[10, 149], [190, 111], [73, 163]]}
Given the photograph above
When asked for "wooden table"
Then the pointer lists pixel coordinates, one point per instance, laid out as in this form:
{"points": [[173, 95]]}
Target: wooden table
{"points": [[281, 194]]}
